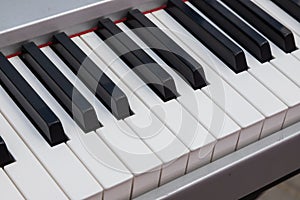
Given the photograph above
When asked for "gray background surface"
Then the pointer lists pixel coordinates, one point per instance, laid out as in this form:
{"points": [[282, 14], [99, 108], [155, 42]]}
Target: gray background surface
{"points": [[289, 190], [19, 12]]}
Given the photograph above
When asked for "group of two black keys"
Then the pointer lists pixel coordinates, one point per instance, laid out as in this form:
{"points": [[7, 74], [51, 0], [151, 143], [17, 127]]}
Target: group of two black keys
{"points": [[90, 74]]}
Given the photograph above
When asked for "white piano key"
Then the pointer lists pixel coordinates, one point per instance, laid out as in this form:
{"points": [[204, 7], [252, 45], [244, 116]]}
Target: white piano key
{"points": [[288, 65], [116, 134], [139, 159], [200, 143], [26, 167], [280, 85], [219, 91], [89, 148], [209, 115], [8, 189], [59, 160], [168, 148], [297, 53], [156, 101], [253, 91], [275, 81]]}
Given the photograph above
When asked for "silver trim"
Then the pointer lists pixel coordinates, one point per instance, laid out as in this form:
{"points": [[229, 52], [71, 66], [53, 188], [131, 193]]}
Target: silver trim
{"points": [[239, 173], [40, 30]]}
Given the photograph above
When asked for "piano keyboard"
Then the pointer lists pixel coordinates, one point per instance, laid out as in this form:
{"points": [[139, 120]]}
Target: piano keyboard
{"points": [[127, 107]]}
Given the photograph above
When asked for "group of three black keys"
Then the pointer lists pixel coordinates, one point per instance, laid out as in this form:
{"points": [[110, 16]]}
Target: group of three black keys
{"points": [[156, 77]]}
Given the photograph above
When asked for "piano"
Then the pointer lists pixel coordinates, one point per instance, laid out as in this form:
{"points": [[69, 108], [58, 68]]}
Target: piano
{"points": [[148, 99]]}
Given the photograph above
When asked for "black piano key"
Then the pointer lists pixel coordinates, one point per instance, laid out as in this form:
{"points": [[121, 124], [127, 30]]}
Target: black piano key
{"points": [[167, 55], [290, 6], [265, 23], [31, 104], [138, 67], [5, 156], [251, 40], [139, 61], [193, 72], [213, 39], [91, 75], [58, 85]]}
